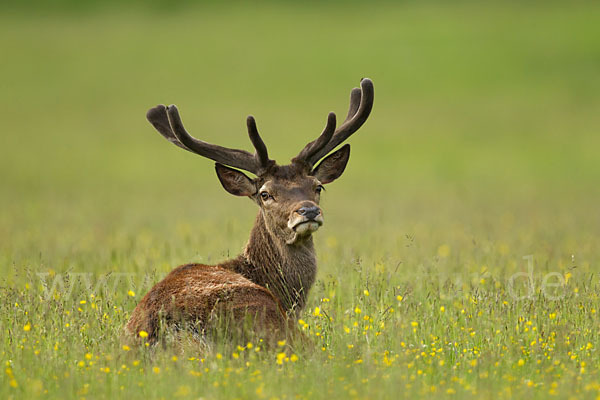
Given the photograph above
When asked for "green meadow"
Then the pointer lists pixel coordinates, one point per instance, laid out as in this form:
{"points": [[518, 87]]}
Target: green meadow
{"points": [[460, 252]]}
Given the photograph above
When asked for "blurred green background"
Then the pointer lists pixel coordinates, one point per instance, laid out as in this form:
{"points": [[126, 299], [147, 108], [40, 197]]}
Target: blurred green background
{"points": [[485, 120]]}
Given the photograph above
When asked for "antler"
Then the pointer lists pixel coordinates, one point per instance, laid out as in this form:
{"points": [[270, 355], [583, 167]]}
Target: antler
{"points": [[361, 103], [167, 122]]}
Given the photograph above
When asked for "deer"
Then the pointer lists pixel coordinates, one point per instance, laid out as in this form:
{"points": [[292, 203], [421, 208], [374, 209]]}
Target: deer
{"points": [[268, 283]]}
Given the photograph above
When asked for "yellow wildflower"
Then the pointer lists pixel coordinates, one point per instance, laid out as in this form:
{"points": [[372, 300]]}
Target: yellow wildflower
{"points": [[280, 358]]}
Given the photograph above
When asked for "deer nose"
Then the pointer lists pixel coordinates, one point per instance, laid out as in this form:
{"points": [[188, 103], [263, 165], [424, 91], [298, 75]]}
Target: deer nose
{"points": [[309, 212]]}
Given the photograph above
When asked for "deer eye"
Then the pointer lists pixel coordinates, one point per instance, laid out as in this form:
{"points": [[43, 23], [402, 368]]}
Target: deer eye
{"points": [[265, 196], [319, 188]]}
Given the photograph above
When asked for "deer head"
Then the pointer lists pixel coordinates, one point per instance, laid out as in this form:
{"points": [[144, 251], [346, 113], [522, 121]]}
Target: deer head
{"points": [[288, 195]]}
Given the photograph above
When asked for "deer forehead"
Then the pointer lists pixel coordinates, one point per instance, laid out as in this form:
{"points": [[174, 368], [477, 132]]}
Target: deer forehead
{"points": [[289, 186]]}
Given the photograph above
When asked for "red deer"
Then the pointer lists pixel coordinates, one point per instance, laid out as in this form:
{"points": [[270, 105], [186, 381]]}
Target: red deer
{"points": [[269, 281]]}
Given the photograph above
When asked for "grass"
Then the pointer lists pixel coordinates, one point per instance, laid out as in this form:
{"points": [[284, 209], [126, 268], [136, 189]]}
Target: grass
{"points": [[481, 150]]}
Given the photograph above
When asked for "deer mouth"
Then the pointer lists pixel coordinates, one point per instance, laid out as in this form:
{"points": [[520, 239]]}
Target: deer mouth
{"points": [[307, 226]]}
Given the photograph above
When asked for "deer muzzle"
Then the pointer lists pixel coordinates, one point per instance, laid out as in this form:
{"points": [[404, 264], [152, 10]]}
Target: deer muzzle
{"points": [[306, 219]]}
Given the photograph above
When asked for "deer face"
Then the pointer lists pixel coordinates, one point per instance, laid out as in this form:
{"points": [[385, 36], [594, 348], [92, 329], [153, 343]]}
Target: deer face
{"points": [[288, 195], [291, 207]]}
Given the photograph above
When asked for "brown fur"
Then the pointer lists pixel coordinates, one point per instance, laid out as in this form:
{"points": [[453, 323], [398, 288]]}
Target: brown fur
{"points": [[195, 294]]}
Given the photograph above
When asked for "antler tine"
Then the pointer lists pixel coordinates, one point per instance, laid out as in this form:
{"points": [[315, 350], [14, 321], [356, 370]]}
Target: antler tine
{"points": [[352, 124], [262, 154], [157, 116], [231, 157], [311, 148], [355, 96]]}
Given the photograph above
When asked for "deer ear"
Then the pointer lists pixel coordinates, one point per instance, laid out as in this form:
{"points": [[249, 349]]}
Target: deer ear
{"points": [[332, 166], [234, 181]]}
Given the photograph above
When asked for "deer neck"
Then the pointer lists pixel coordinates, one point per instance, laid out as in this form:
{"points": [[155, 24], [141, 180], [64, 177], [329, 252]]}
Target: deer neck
{"points": [[287, 270]]}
